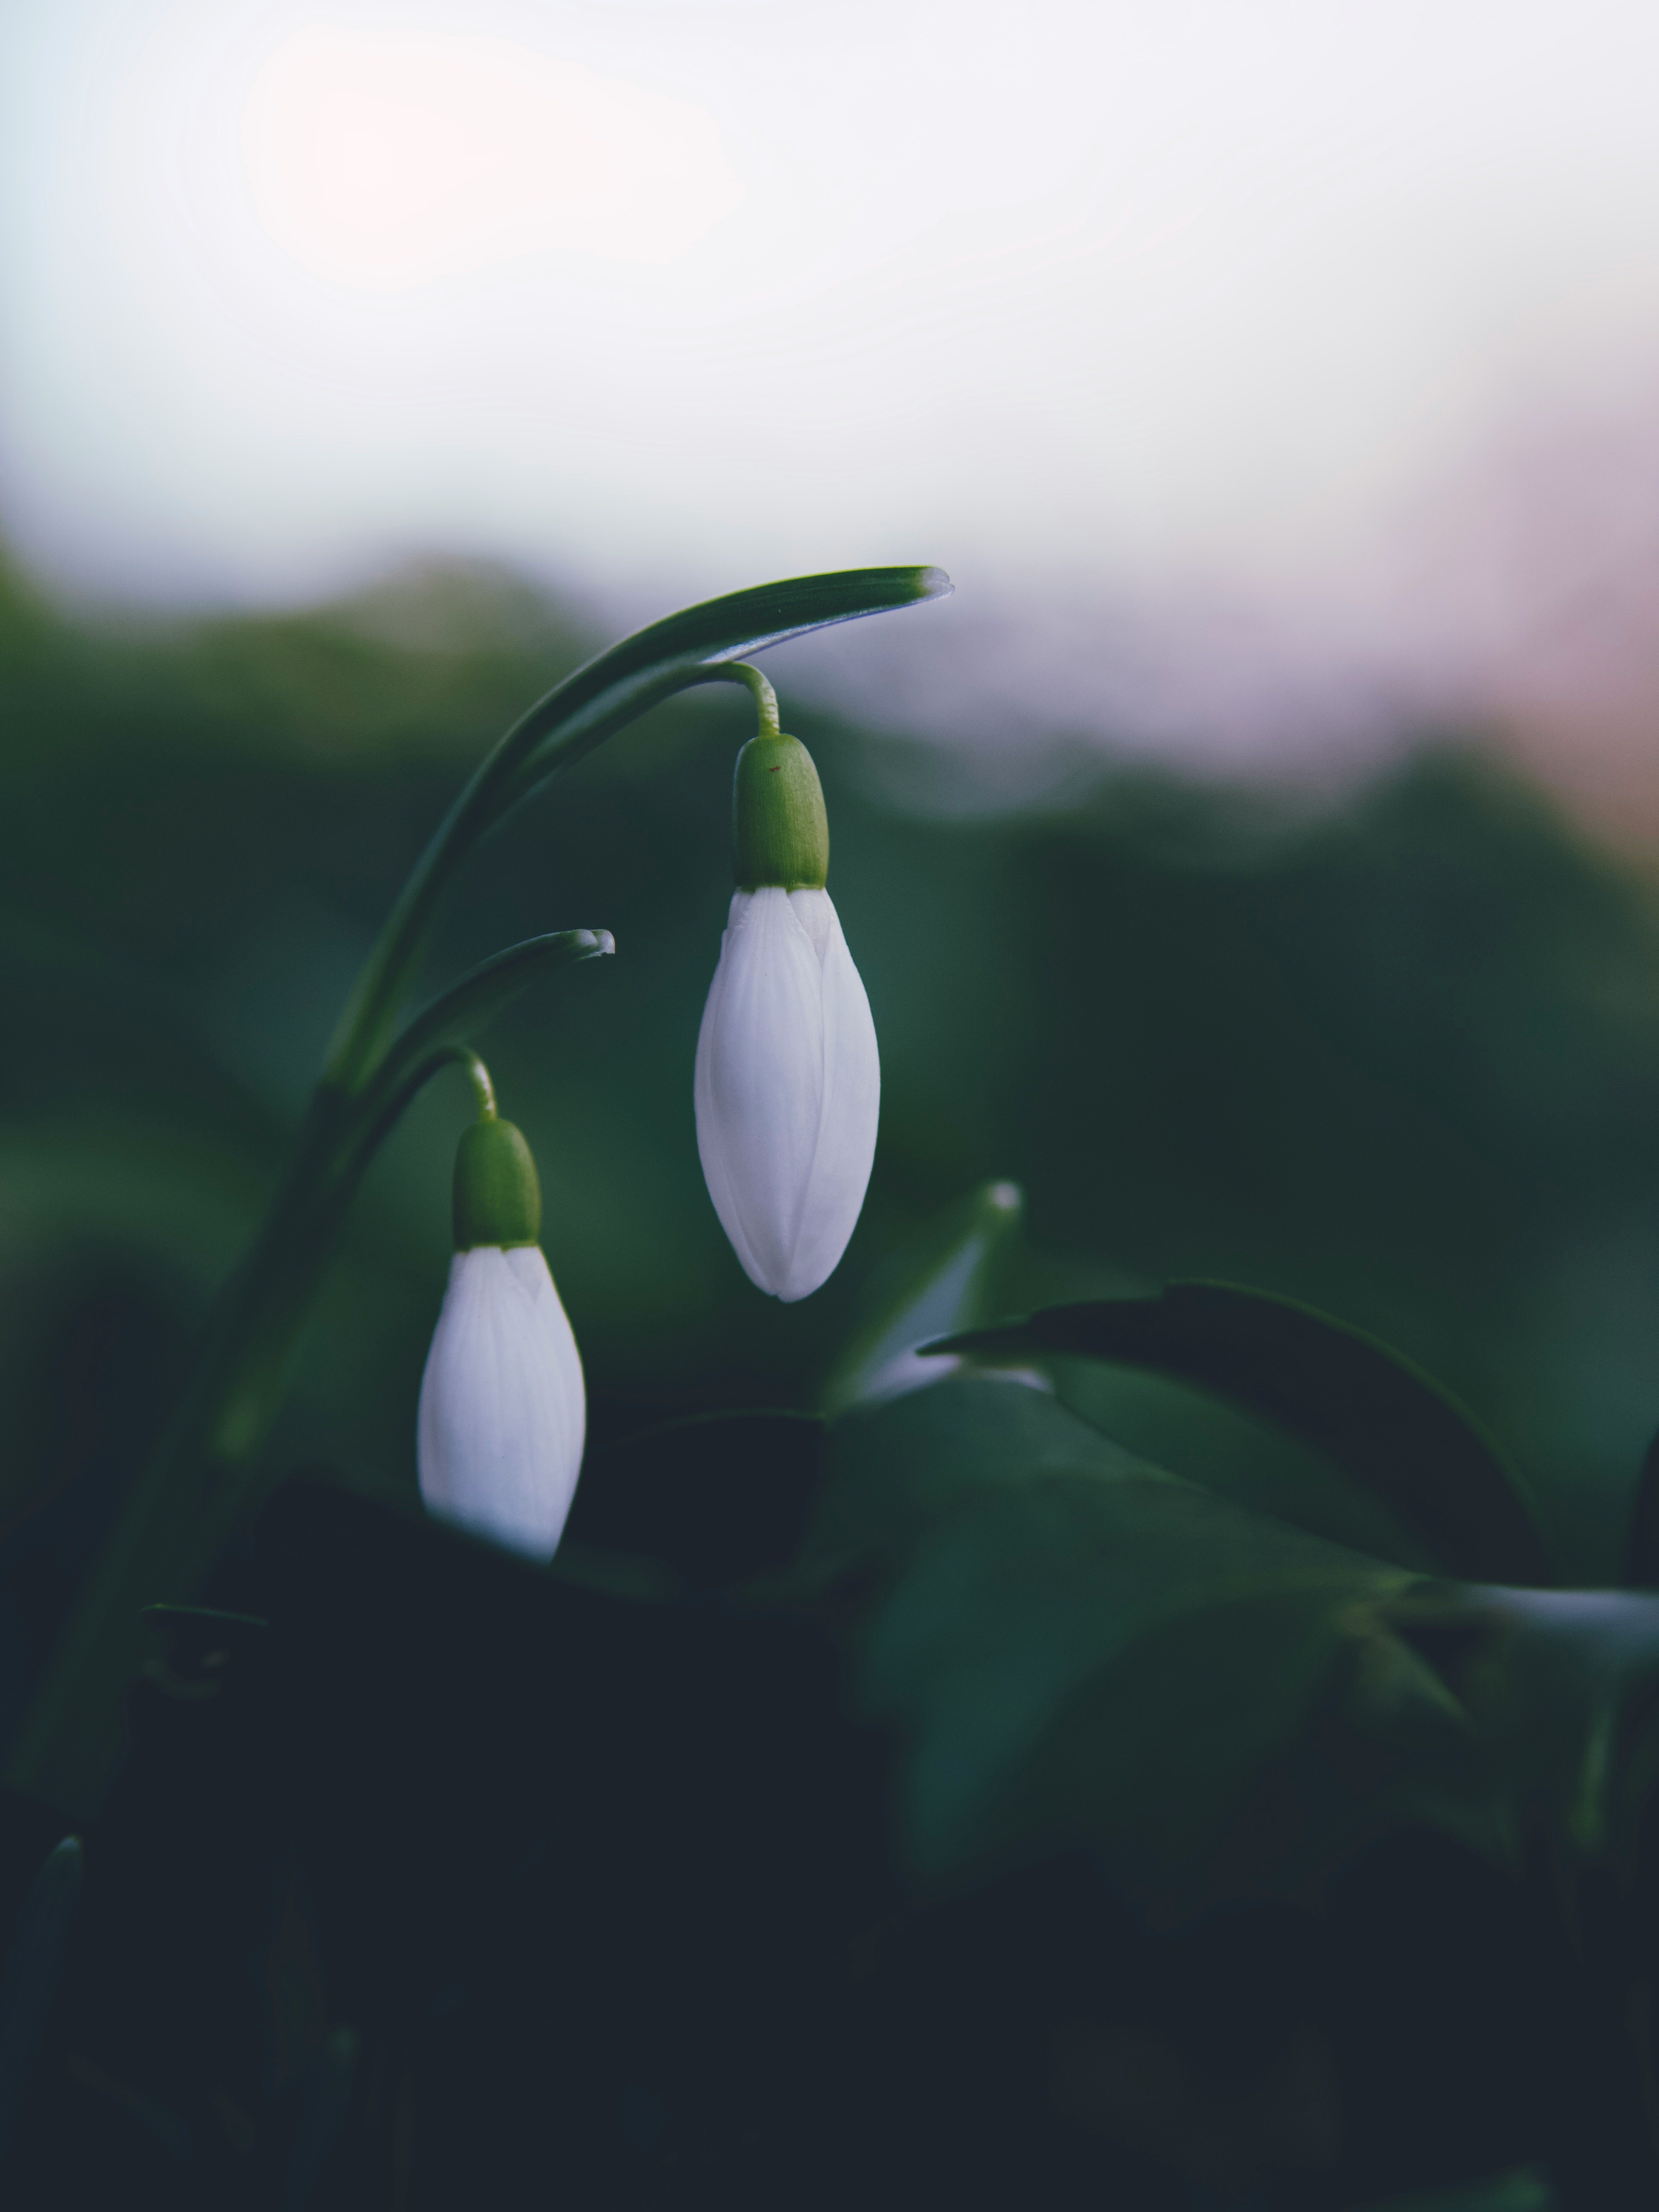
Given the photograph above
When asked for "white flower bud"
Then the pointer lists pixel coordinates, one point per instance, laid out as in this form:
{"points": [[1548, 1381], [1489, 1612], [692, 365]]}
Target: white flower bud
{"points": [[787, 1088], [503, 1413]]}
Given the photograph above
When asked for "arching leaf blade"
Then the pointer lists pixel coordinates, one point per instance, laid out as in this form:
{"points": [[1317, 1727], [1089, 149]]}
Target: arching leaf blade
{"points": [[483, 991], [668, 655], [1372, 1410]]}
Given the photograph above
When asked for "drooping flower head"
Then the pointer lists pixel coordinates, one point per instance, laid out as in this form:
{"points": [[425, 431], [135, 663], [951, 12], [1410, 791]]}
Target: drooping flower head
{"points": [[503, 1412], [788, 1085]]}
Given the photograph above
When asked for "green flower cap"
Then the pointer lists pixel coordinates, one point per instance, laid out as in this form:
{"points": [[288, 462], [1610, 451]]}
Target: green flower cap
{"points": [[498, 1196], [780, 831]]}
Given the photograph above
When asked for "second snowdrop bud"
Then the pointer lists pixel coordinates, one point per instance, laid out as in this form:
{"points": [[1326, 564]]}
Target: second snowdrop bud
{"points": [[503, 1412]]}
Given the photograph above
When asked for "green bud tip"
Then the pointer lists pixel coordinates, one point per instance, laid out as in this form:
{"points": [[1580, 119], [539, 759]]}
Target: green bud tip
{"points": [[497, 1195], [780, 831]]}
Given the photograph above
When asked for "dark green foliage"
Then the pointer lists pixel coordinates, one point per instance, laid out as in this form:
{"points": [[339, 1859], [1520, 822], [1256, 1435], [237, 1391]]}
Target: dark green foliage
{"points": [[1075, 1645], [822, 1793], [1379, 1417]]}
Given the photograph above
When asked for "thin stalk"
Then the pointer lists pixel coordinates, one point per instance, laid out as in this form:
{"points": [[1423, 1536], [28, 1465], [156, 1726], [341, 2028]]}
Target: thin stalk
{"points": [[765, 698], [478, 1074]]}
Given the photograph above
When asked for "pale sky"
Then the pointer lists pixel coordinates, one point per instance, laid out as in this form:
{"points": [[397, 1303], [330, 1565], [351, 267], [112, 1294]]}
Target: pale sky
{"points": [[669, 298]]}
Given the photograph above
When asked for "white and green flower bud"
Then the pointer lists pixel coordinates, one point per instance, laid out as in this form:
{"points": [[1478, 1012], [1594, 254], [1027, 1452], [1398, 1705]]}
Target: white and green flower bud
{"points": [[503, 1411], [787, 1086]]}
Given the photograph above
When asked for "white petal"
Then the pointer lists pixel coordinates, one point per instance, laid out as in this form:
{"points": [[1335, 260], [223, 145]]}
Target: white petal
{"points": [[710, 1148], [759, 1082], [502, 1413], [852, 1107], [528, 1263]]}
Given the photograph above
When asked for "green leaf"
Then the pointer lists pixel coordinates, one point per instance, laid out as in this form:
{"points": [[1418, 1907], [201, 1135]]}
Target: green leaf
{"points": [[1074, 1647], [656, 662], [946, 1278], [1374, 1413], [1239, 1455], [1071, 1644], [1104, 1663], [426, 1042], [896, 1469], [461, 1011]]}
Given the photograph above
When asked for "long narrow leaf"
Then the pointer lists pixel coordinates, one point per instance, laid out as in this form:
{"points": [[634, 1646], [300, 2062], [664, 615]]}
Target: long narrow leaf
{"points": [[655, 663]]}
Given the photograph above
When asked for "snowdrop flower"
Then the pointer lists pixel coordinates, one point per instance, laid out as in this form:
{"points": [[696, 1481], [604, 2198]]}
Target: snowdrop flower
{"points": [[788, 1085], [503, 1412]]}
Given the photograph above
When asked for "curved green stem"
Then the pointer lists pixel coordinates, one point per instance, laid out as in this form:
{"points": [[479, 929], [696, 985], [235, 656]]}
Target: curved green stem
{"points": [[478, 1074], [408, 1088], [766, 699]]}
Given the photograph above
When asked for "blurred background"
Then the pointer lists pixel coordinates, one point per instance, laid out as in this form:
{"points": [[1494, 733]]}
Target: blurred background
{"points": [[1253, 860]]}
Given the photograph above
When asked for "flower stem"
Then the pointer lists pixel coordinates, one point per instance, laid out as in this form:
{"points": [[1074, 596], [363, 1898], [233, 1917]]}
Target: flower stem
{"points": [[766, 699], [479, 1075]]}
